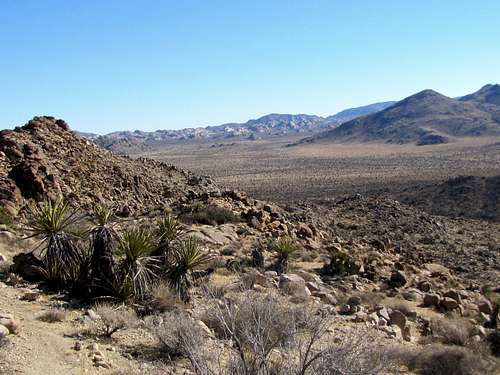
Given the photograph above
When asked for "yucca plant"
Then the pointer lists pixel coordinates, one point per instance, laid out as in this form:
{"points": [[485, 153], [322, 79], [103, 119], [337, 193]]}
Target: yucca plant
{"points": [[285, 248], [168, 230], [64, 263], [187, 257], [138, 267], [102, 237]]}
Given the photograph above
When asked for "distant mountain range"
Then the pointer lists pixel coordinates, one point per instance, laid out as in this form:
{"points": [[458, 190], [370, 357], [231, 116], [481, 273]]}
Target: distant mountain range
{"points": [[424, 118], [270, 125]]}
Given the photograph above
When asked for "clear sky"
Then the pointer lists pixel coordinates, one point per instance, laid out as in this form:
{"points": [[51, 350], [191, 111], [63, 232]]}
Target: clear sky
{"points": [[106, 65]]}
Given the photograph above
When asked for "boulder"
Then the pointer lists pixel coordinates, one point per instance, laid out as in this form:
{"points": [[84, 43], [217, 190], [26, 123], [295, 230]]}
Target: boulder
{"points": [[4, 332], [354, 301], [384, 313], [454, 295], [28, 266], [424, 286], [485, 307], [431, 299], [449, 303], [10, 323], [398, 318], [325, 297], [294, 285], [304, 231], [398, 279]]}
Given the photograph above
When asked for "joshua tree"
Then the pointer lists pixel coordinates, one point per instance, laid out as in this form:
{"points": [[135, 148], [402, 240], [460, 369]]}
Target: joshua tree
{"points": [[285, 247], [64, 263], [186, 258], [168, 230], [102, 236], [138, 267]]}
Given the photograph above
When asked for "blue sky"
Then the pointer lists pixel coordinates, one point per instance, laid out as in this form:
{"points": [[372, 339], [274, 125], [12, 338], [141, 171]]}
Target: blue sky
{"points": [[118, 65]]}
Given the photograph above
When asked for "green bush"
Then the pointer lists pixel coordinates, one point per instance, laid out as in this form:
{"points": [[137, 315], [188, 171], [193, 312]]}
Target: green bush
{"points": [[209, 214], [4, 218]]}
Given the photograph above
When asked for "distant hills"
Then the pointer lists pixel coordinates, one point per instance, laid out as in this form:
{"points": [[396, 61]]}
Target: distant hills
{"points": [[427, 117], [352, 113], [274, 124]]}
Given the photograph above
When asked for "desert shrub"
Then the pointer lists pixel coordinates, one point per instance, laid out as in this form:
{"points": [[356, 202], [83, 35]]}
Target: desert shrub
{"points": [[138, 269], [4, 269], [285, 248], [64, 262], [4, 218], [445, 360], [164, 299], [114, 318], [265, 336], [52, 316], [451, 331], [210, 215], [186, 258], [213, 291], [494, 342], [341, 263], [371, 298], [180, 336]]}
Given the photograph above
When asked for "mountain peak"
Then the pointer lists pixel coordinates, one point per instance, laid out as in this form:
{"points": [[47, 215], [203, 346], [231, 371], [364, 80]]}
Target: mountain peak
{"points": [[488, 94]]}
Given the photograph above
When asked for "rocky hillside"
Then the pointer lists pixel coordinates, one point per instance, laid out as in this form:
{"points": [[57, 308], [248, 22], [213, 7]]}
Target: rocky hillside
{"points": [[467, 196], [45, 159], [425, 118]]}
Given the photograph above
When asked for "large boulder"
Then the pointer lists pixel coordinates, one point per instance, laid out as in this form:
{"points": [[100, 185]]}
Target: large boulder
{"points": [[28, 266], [294, 285]]}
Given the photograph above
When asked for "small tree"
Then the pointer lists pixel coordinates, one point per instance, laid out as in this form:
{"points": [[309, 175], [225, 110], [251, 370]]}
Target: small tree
{"points": [[285, 248], [187, 257], [64, 263], [102, 237], [168, 230], [138, 269]]}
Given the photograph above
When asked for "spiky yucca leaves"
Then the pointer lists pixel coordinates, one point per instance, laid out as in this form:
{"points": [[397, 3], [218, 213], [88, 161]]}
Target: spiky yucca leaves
{"points": [[138, 268], [168, 230], [284, 247], [64, 262], [187, 257], [102, 238]]}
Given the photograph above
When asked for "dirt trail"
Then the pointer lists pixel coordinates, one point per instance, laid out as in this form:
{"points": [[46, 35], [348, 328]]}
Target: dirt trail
{"points": [[39, 348]]}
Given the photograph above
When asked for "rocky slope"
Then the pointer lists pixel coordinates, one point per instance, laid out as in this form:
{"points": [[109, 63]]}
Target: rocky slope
{"points": [[425, 118], [44, 159], [467, 196]]}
